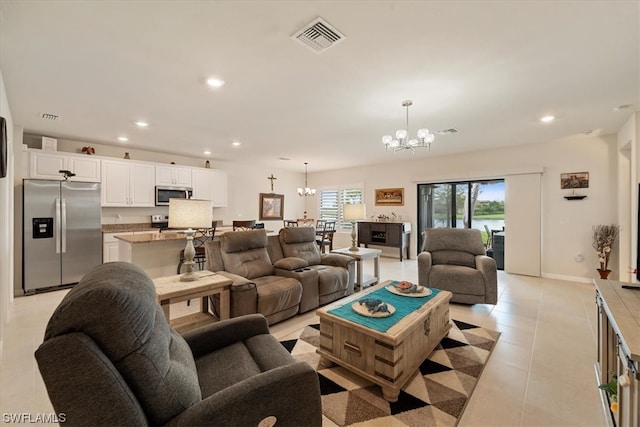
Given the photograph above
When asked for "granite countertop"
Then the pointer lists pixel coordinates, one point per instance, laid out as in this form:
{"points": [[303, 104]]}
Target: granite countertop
{"points": [[164, 236], [624, 308], [152, 237], [123, 228]]}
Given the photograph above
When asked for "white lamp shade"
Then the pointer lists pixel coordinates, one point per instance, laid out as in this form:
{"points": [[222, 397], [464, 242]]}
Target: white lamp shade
{"points": [[354, 211], [190, 213]]}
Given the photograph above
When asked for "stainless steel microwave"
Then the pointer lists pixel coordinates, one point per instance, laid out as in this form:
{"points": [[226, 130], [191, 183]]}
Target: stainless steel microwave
{"points": [[163, 194]]}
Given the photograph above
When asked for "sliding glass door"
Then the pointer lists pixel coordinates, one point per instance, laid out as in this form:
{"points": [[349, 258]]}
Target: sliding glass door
{"points": [[466, 204]]}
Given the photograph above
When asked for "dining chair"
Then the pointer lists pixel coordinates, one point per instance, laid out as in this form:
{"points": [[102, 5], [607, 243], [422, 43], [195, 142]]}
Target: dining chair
{"points": [[290, 223], [325, 236], [243, 225]]}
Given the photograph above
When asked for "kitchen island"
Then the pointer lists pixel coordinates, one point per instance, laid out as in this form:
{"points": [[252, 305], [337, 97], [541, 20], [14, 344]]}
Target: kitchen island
{"points": [[158, 254]]}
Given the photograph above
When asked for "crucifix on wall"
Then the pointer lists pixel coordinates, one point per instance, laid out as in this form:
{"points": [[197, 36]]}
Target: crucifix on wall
{"points": [[271, 178]]}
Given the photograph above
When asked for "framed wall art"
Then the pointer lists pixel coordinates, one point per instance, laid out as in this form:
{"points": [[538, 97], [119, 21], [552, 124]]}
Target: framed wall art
{"points": [[574, 180], [389, 197], [271, 206]]}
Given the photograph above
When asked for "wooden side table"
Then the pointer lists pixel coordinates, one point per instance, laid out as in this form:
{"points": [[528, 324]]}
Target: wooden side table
{"points": [[171, 290], [360, 255]]}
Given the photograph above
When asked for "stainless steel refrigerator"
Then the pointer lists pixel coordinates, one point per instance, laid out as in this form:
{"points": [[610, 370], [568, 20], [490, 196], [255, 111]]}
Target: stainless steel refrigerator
{"points": [[62, 235]]}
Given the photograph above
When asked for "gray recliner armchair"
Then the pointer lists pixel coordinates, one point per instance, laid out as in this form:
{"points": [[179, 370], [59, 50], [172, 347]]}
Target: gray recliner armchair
{"points": [[109, 357], [455, 260]]}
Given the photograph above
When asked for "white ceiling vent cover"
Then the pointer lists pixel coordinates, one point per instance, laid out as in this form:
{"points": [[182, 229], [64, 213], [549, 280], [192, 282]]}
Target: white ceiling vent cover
{"points": [[319, 35]]}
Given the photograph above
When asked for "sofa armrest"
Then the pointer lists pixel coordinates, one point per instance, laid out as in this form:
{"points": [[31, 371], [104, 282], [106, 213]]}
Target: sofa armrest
{"points": [[244, 294], [337, 260], [290, 393], [290, 263], [487, 266], [217, 335], [424, 268]]}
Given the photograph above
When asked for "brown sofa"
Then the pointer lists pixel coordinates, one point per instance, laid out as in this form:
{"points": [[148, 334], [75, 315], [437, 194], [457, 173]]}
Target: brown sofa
{"points": [[242, 257], [324, 277]]}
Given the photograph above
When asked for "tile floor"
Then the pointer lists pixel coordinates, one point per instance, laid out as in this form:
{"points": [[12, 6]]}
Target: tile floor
{"points": [[541, 372]]}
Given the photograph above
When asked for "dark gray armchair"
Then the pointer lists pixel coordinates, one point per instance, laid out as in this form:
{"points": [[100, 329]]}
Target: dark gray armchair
{"points": [[109, 357], [455, 260]]}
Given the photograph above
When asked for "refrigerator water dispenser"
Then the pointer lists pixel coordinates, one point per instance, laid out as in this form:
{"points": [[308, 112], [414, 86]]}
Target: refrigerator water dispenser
{"points": [[42, 228]]}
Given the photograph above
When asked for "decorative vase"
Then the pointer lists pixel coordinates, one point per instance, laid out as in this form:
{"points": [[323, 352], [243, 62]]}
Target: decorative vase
{"points": [[126, 155], [604, 273]]}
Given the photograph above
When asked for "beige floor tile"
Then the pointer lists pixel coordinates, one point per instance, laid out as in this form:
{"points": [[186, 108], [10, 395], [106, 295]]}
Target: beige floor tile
{"points": [[540, 374]]}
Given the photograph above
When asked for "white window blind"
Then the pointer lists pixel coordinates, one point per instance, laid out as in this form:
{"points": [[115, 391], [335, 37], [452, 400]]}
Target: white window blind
{"points": [[332, 199]]}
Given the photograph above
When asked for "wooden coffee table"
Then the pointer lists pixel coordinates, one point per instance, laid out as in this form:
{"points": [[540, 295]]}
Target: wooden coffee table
{"points": [[390, 358]]}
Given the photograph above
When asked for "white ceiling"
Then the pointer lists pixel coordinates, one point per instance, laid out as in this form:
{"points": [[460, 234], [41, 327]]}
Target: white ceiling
{"points": [[490, 69]]}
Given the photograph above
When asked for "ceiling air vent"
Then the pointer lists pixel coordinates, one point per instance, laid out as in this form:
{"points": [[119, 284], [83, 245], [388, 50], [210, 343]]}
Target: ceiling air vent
{"points": [[49, 116], [447, 131], [318, 35]]}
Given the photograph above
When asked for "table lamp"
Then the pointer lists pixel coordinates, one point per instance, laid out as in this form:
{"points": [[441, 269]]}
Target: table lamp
{"points": [[354, 212], [190, 214]]}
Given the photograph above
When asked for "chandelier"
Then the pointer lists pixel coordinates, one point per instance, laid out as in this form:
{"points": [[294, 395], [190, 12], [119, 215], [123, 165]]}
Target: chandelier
{"points": [[401, 141], [306, 191]]}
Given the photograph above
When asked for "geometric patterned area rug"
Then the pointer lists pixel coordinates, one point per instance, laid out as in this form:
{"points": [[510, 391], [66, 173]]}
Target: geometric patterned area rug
{"points": [[435, 396]]}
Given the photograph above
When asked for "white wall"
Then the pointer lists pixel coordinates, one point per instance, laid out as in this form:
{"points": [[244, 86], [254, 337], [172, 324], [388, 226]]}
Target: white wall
{"points": [[6, 218], [566, 225], [628, 158]]}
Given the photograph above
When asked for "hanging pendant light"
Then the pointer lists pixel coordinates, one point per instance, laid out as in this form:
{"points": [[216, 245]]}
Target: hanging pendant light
{"points": [[401, 141], [306, 191]]}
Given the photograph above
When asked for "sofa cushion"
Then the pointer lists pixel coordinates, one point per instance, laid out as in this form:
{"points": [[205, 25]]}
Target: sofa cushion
{"points": [[300, 242], [290, 263], [454, 258], [277, 293], [240, 241], [457, 279], [458, 239], [298, 235], [115, 305], [251, 263], [331, 279]]}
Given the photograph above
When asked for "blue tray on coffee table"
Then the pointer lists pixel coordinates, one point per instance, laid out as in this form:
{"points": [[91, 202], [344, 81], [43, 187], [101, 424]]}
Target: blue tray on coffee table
{"points": [[403, 305]]}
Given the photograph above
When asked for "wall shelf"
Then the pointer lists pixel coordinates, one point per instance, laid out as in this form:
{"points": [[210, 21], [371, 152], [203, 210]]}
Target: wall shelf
{"points": [[574, 197]]}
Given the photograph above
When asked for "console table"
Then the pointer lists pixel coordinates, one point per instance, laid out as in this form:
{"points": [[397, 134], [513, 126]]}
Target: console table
{"points": [[393, 234], [619, 348]]}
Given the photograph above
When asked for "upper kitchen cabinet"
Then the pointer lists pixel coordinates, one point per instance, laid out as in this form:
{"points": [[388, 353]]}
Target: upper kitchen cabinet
{"points": [[47, 165], [127, 184], [173, 176], [210, 184]]}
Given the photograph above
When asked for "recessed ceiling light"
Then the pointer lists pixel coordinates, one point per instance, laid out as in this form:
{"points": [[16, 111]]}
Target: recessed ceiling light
{"points": [[215, 82], [207, 152], [123, 139], [142, 124], [547, 119], [235, 143]]}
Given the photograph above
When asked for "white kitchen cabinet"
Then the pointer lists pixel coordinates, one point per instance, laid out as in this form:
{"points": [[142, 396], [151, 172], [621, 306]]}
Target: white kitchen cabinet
{"points": [[47, 165], [127, 184], [174, 176], [210, 184]]}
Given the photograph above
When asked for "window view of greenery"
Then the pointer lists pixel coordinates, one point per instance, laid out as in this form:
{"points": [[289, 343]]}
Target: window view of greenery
{"points": [[477, 204]]}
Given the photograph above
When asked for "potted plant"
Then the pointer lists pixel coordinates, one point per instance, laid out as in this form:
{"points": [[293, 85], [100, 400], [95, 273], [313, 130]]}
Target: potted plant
{"points": [[603, 238]]}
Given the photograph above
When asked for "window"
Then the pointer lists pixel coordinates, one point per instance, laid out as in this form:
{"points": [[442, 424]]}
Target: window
{"points": [[332, 199], [466, 204]]}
